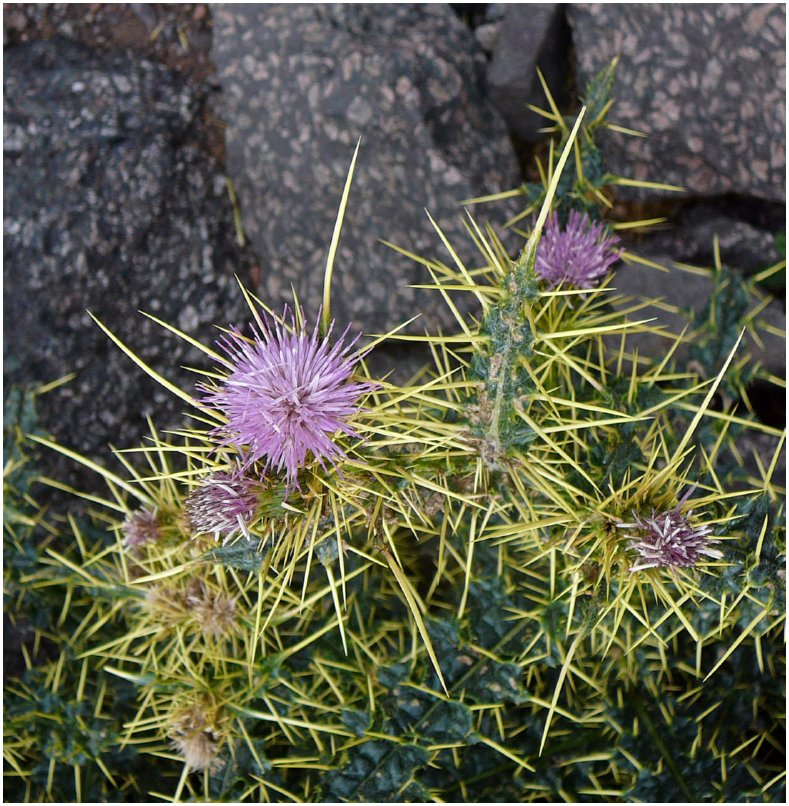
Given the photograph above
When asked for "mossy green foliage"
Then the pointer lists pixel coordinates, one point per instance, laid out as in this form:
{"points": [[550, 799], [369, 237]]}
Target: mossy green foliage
{"points": [[450, 615]]}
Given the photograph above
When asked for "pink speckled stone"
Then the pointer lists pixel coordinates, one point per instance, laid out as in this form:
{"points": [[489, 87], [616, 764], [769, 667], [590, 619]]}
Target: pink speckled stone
{"points": [[706, 82]]}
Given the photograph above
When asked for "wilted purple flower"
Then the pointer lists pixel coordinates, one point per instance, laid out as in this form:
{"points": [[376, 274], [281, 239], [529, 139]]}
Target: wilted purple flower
{"points": [[223, 504], [669, 539], [139, 528], [579, 255], [286, 396]]}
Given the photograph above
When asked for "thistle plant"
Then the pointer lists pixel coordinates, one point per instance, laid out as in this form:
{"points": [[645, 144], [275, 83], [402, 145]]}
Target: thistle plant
{"points": [[546, 568]]}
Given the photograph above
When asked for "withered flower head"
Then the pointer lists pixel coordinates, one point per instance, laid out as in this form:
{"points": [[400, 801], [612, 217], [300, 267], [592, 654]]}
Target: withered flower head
{"points": [[139, 528], [194, 735], [214, 611]]}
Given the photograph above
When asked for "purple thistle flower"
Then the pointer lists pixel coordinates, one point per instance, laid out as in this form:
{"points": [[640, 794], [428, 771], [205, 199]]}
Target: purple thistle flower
{"points": [[286, 396], [669, 539], [577, 256], [223, 505], [139, 528]]}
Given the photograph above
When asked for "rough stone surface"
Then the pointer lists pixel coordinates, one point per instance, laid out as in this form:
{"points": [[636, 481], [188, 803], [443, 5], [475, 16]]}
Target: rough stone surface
{"points": [[531, 36], [486, 26], [706, 82], [301, 84], [159, 30], [487, 35], [748, 246], [110, 206]]}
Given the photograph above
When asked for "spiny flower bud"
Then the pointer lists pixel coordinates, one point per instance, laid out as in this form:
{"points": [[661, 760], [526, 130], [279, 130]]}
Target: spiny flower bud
{"points": [[669, 539], [223, 505], [577, 256]]}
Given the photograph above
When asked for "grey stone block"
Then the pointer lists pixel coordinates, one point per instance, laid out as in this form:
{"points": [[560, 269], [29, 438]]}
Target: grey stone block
{"points": [[109, 206], [531, 36], [301, 84], [706, 82]]}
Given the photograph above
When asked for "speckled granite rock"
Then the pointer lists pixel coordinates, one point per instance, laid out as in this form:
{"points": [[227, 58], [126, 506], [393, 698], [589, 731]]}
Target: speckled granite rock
{"points": [[750, 246], [707, 83], [486, 22], [109, 206], [531, 36], [301, 83]]}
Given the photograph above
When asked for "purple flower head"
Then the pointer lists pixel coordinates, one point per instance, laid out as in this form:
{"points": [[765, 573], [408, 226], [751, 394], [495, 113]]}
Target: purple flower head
{"points": [[287, 395], [223, 505], [139, 528], [669, 539], [577, 256]]}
